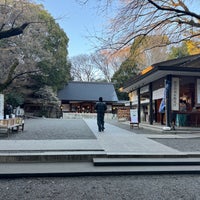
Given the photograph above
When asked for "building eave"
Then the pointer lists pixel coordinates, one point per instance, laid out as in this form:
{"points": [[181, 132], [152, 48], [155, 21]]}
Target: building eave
{"points": [[161, 70]]}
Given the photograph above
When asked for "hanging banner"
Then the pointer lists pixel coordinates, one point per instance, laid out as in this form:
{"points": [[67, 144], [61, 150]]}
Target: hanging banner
{"points": [[198, 91], [158, 94], [175, 94], [134, 115], [1, 106]]}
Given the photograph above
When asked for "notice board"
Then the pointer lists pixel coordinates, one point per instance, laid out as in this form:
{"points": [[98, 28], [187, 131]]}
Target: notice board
{"points": [[134, 115]]}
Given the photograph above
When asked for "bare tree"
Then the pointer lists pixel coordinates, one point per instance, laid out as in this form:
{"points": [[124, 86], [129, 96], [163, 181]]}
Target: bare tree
{"points": [[83, 69], [101, 62], [109, 63], [13, 24], [11, 11], [176, 19], [99, 66], [34, 49]]}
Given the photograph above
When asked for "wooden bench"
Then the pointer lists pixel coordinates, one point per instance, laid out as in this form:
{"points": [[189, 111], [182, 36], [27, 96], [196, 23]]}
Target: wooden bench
{"points": [[9, 125]]}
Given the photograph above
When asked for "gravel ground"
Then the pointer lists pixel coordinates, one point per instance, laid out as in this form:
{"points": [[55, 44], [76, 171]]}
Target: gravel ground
{"points": [[163, 187], [149, 187], [51, 129], [184, 145]]}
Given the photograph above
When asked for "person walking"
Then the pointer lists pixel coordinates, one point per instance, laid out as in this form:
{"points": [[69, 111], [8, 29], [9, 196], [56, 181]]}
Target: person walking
{"points": [[100, 107]]}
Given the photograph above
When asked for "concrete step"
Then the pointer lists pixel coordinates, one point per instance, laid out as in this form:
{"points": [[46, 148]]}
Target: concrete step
{"points": [[81, 155], [88, 169], [87, 163], [156, 161], [99, 157], [49, 156]]}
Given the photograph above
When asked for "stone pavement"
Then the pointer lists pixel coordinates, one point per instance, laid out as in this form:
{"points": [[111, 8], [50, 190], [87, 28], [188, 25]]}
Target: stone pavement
{"points": [[79, 135], [118, 140], [82, 135], [67, 152]]}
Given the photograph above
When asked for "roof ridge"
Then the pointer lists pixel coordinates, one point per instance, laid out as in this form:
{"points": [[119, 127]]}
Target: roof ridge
{"points": [[181, 60], [88, 82]]}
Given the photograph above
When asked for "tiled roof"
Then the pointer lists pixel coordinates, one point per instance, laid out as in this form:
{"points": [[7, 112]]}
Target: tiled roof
{"points": [[188, 64], [88, 91]]}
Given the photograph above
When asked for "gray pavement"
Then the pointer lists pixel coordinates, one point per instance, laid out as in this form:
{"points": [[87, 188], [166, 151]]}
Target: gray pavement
{"points": [[62, 134], [115, 142], [77, 134], [116, 138]]}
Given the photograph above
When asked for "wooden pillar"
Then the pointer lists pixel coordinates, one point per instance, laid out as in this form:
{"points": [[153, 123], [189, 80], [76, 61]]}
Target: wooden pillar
{"points": [[139, 105], [150, 104], [131, 105], [168, 100], [156, 111]]}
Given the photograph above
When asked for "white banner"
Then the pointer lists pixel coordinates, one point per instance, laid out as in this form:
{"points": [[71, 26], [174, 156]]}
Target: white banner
{"points": [[1, 106], [158, 94], [198, 91], [134, 115], [175, 94]]}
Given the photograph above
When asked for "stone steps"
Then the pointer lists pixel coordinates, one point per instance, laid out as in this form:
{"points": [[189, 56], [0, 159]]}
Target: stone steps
{"points": [[98, 156], [86, 163], [49, 156], [173, 161], [89, 155], [88, 169]]}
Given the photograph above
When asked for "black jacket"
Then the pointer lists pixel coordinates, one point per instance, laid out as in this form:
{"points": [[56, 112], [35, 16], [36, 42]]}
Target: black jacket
{"points": [[100, 107]]}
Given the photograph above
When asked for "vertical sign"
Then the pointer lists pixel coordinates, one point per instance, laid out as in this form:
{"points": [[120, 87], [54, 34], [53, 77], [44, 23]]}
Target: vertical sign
{"points": [[1, 106], [198, 91], [134, 115], [175, 94]]}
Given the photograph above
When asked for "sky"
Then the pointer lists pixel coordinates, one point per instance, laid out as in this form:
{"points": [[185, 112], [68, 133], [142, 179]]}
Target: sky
{"points": [[78, 22]]}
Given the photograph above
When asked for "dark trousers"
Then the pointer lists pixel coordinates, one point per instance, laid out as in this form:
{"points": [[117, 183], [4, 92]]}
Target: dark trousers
{"points": [[162, 118], [100, 121]]}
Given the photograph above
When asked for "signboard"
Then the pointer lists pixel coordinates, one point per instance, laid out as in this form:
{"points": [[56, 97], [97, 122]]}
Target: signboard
{"points": [[158, 94], [134, 115], [175, 94], [198, 91], [1, 106]]}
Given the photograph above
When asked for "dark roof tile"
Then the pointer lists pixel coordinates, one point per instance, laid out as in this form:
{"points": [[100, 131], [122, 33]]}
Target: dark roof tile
{"points": [[88, 91]]}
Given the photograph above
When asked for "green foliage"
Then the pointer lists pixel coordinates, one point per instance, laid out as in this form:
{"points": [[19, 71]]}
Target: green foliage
{"points": [[51, 75], [138, 60], [126, 71], [178, 52], [56, 71], [42, 48], [14, 99]]}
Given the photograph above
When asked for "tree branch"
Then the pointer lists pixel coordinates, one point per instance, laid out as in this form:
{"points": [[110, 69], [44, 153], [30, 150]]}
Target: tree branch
{"points": [[11, 78], [185, 11], [14, 31]]}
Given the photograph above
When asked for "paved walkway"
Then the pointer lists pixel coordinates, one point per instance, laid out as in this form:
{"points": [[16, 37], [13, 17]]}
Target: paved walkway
{"points": [[118, 140], [114, 140]]}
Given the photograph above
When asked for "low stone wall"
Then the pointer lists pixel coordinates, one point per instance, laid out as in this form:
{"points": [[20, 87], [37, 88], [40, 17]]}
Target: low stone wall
{"points": [[85, 115]]}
